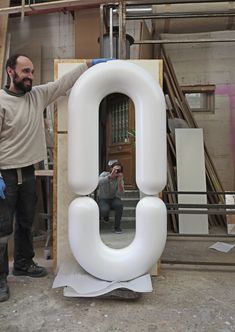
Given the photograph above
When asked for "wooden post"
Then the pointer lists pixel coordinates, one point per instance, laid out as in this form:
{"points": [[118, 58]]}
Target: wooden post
{"points": [[3, 35]]}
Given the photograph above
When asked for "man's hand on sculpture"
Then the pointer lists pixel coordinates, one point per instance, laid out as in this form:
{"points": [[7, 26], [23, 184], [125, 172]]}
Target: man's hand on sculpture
{"points": [[100, 60], [2, 188]]}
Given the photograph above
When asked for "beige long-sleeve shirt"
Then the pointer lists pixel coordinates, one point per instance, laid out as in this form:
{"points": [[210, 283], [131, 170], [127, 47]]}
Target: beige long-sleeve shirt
{"points": [[22, 137], [109, 188]]}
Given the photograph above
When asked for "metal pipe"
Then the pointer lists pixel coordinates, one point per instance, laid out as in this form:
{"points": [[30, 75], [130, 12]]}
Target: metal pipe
{"points": [[56, 5], [169, 2], [200, 192], [68, 5], [136, 10], [139, 10], [179, 15], [178, 235], [172, 261], [111, 32], [22, 10], [184, 41], [122, 30], [207, 206], [119, 29], [217, 212], [101, 40]]}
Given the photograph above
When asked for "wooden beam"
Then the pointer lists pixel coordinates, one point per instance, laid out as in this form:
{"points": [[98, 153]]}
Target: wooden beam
{"points": [[3, 35], [48, 5]]}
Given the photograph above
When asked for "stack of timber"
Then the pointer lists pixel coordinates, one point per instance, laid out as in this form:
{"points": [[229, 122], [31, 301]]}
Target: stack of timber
{"points": [[178, 111]]}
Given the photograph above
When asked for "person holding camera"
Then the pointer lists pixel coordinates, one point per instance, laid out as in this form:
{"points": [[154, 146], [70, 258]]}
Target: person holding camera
{"points": [[111, 187]]}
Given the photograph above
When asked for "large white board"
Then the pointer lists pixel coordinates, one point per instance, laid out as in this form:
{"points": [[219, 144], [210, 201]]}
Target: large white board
{"points": [[191, 177]]}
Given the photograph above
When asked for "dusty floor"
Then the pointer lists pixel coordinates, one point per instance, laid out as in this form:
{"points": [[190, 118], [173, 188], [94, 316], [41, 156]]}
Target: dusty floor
{"points": [[188, 298]]}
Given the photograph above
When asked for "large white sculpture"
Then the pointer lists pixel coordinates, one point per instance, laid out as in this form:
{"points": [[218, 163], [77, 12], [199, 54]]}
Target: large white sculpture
{"points": [[87, 247]]}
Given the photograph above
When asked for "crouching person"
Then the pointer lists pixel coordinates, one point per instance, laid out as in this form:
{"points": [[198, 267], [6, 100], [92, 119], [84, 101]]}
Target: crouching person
{"points": [[111, 187]]}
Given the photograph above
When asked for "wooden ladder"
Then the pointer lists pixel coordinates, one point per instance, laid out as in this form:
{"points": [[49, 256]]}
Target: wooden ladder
{"points": [[179, 108]]}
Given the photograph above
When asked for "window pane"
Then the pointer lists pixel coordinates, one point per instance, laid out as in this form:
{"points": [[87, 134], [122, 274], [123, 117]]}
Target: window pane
{"points": [[197, 100], [200, 97], [119, 114]]}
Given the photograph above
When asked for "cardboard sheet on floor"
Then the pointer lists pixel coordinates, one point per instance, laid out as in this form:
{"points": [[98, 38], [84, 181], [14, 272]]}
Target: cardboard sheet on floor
{"points": [[79, 283], [221, 246]]}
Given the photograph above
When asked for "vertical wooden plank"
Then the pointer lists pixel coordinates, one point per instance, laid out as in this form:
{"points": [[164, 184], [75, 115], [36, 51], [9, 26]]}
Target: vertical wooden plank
{"points": [[87, 30], [54, 204], [62, 197], [3, 36], [55, 157], [145, 51]]}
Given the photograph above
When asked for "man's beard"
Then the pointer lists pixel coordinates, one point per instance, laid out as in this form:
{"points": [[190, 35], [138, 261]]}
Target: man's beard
{"points": [[20, 85]]}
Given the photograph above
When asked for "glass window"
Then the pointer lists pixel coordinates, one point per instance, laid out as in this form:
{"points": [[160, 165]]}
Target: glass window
{"points": [[200, 98], [119, 116]]}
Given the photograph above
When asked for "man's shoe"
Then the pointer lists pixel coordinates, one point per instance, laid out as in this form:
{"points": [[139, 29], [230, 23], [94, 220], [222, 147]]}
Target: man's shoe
{"points": [[4, 289], [30, 270], [118, 230]]}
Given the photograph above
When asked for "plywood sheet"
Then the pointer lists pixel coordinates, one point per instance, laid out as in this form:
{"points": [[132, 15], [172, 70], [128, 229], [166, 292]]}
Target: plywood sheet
{"points": [[153, 67], [87, 31], [145, 50], [191, 177], [62, 103]]}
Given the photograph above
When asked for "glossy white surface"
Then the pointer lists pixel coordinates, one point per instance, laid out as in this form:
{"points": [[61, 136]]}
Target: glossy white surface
{"points": [[123, 264], [86, 245], [86, 95]]}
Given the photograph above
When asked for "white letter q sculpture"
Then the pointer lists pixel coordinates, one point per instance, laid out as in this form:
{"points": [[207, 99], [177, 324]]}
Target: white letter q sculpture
{"points": [[87, 247]]}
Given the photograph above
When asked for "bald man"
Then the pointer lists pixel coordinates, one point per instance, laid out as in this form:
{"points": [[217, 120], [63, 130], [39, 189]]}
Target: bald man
{"points": [[22, 144]]}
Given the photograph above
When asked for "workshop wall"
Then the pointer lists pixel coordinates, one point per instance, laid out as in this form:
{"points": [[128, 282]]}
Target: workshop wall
{"points": [[206, 64]]}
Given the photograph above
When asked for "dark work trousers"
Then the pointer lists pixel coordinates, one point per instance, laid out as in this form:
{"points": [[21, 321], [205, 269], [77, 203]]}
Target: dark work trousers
{"points": [[20, 202], [105, 205]]}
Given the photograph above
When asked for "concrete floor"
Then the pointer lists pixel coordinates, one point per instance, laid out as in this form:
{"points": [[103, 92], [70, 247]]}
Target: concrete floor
{"points": [[185, 297]]}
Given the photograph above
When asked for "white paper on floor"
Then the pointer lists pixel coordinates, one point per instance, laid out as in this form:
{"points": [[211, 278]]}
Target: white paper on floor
{"points": [[222, 246], [79, 283]]}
